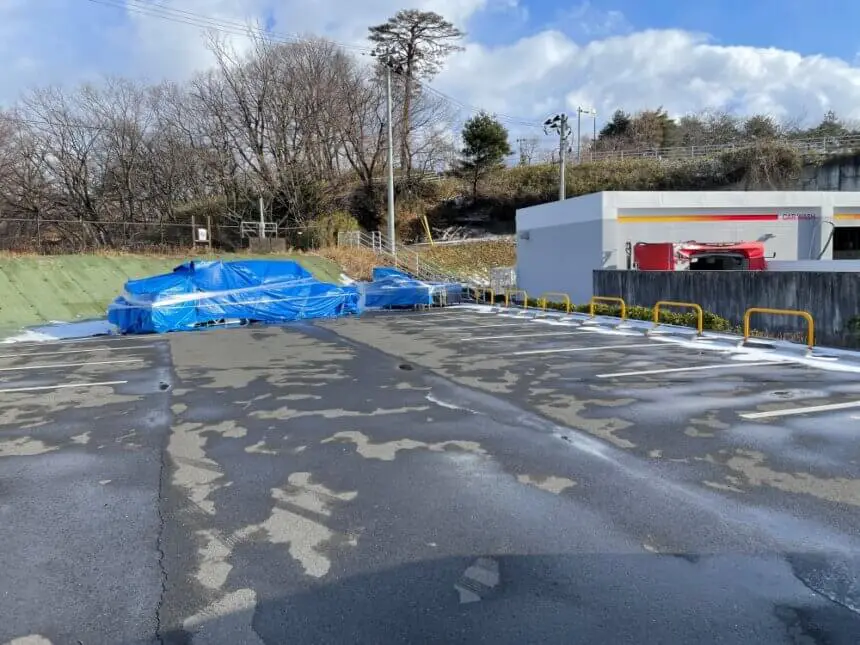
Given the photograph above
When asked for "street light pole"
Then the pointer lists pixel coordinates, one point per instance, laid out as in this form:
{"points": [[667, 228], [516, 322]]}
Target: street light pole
{"points": [[579, 112], [384, 56], [391, 231], [579, 135], [562, 145]]}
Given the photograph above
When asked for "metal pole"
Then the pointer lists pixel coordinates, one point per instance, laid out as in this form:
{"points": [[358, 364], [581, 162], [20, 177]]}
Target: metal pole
{"points": [[561, 146], [262, 220], [578, 135], [391, 233]]}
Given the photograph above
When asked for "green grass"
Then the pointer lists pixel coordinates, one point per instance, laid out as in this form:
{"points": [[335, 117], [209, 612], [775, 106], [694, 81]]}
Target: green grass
{"points": [[39, 289]]}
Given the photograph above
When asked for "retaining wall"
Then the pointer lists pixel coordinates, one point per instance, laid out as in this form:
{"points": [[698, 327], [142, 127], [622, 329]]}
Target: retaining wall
{"points": [[833, 298]]}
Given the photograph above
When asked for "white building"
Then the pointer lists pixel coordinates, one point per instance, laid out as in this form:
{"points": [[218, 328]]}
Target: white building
{"points": [[559, 244]]}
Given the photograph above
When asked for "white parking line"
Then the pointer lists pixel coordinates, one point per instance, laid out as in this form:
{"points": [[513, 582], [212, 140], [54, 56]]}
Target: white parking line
{"points": [[104, 338], [428, 314], [422, 318], [513, 324], [696, 368], [581, 349], [848, 405], [61, 386], [526, 335], [47, 367], [74, 351]]}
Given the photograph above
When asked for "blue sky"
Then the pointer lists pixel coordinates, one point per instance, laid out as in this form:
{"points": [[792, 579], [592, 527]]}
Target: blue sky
{"points": [[829, 27], [525, 57]]}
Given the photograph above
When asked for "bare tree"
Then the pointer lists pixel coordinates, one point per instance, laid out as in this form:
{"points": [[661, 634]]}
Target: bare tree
{"points": [[527, 148], [414, 43]]}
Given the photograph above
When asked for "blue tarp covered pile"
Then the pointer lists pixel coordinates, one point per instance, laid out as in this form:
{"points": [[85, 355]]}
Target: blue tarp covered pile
{"points": [[392, 288], [197, 294]]}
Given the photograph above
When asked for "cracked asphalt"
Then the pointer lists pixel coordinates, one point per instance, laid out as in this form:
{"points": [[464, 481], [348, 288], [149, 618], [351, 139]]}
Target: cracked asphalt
{"points": [[441, 477]]}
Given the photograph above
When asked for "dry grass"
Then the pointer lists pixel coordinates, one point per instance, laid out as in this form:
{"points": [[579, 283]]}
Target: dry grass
{"points": [[356, 262], [474, 258]]}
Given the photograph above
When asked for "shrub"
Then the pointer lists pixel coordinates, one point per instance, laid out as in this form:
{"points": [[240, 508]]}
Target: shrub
{"points": [[326, 228], [711, 321]]}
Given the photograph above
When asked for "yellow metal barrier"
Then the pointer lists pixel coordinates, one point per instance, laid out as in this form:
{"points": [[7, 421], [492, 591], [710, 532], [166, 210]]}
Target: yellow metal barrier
{"points": [[509, 293], [595, 299], [700, 315], [481, 292], [810, 331], [543, 300]]}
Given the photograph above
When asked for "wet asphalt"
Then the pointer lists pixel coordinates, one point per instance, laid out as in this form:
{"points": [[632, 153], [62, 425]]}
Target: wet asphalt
{"points": [[442, 477]]}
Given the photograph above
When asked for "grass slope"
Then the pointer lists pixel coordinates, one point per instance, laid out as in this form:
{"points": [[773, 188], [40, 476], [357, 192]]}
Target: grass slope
{"points": [[38, 289], [472, 258]]}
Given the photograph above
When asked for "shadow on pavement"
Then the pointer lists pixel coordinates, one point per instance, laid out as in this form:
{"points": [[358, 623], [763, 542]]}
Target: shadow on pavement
{"points": [[583, 598]]}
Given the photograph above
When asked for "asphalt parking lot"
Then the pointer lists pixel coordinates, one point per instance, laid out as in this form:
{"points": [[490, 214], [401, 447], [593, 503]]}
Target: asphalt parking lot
{"points": [[450, 476]]}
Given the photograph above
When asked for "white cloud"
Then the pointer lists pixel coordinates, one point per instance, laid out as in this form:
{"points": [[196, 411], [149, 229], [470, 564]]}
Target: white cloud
{"points": [[542, 72], [681, 71], [587, 20]]}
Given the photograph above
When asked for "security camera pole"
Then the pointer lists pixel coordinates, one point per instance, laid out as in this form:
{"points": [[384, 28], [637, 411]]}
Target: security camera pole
{"points": [[559, 124]]}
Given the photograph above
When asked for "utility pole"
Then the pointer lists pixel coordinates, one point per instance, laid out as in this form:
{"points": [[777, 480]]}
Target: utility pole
{"points": [[559, 124], [387, 60]]}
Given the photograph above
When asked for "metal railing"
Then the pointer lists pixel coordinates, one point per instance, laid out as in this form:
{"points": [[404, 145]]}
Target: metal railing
{"points": [[810, 322], [404, 259], [700, 314], [250, 228], [543, 300], [818, 146], [606, 300]]}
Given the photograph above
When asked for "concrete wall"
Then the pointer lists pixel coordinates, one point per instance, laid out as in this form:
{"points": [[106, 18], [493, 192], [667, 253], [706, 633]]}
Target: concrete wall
{"points": [[838, 266], [832, 298], [561, 258], [842, 174]]}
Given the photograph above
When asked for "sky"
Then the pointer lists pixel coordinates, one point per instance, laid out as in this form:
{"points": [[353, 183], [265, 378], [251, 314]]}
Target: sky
{"points": [[524, 60]]}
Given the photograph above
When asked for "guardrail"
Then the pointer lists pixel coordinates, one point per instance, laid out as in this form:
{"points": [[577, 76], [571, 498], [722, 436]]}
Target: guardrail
{"points": [[606, 299], [511, 292], [810, 327], [543, 301], [700, 314]]}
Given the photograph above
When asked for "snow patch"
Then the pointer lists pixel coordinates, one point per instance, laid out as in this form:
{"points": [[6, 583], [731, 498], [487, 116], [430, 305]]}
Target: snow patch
{"points": [[824, 358], [445, 404], [62, 331]]}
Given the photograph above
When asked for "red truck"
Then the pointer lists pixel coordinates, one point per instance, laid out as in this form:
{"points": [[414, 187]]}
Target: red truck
{"points": [[699, 256]]}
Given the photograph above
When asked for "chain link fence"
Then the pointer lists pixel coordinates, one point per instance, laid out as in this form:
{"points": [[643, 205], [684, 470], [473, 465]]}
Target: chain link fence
{"points": [[68, 236]]}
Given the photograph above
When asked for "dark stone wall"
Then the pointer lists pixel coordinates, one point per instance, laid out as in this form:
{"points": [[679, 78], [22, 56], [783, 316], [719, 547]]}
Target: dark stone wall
{"points": [[833, 299]]}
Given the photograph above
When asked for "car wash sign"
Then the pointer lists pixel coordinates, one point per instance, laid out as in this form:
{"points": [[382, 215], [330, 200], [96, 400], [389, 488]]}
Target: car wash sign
{"points": [[796, 215]]}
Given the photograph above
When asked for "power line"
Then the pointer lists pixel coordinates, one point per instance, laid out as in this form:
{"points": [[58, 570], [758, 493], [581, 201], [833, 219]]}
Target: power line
{"points": [[183, 16], [194, 19]]}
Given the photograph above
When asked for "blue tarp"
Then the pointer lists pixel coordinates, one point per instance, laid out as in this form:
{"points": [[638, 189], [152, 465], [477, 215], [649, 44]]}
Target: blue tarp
{"points": [[393, 288], [199, 293]]}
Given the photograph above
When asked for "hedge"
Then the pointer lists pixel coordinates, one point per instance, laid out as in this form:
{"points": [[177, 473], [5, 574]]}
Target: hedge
{"points": [[681, 318]]}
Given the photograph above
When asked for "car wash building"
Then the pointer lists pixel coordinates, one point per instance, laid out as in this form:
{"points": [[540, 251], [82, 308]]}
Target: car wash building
{"points": [[559, 244]]}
